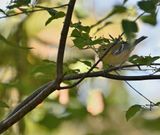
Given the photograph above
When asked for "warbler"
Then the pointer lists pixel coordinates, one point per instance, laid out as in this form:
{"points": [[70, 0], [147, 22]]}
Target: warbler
{"points": [[119, 53]]}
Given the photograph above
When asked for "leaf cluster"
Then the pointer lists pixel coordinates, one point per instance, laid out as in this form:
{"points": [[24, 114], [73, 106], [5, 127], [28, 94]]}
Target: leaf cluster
{"points": [[144, 60], [81, 36], [149, 7]]}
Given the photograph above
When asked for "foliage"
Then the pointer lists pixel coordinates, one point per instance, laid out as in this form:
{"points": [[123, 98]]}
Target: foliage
{"points": [[22, 71], [146, 60], [3, 105], [132, 111], [54, 15]]}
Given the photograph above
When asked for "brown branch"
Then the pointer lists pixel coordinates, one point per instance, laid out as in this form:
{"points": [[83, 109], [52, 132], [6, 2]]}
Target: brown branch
{"points": [[31, 97], [63, 39], [106, 74], [111, 76], [40, 94]]}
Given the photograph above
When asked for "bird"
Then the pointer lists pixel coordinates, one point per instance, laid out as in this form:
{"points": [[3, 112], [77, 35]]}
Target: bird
{"points": [[119, 53]]}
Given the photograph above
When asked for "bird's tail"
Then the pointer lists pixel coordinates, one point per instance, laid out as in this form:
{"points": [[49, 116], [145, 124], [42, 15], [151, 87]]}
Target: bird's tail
{"points": [[137, 41]]}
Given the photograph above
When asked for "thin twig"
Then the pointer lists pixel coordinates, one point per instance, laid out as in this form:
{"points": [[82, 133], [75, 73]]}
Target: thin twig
{"points": [[139, 93], [136, 90], [32, 11]]}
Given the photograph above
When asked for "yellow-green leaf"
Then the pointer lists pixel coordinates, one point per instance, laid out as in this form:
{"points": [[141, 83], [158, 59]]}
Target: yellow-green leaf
{"points": [[132, 111]]}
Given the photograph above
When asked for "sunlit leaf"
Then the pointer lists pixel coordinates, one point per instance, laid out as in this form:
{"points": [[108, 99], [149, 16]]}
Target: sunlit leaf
{"points": [[132, 111]]}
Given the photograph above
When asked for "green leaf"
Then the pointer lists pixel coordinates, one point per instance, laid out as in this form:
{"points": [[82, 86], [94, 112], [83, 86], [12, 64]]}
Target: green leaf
{"points": [[3, 105], [98, 41], [22, 2], [148, 6], [145, 60], [51, 11], [76, 33], [2, 11], [129, 28], [150, 19], [80, 27], [157, 104], [59, 14], [49, 20], [132, 111], [80, 42], [82, 38], [18, 3], [54, 16], [118, 9]]}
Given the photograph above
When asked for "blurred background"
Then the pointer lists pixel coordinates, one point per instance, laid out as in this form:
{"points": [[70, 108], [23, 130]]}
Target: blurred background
{"points": [[98, 105]]}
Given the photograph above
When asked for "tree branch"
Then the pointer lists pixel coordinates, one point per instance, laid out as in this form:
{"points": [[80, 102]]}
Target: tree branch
{"points": [[29, 98], [41, 93], [30, 105], [111, 76], [41, 8], [63, 39]]}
